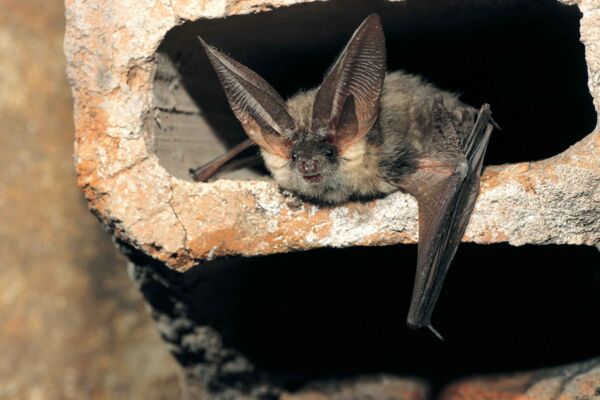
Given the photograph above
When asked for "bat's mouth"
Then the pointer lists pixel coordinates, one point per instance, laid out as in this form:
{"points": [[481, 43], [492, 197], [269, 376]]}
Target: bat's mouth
{"points": [[313, 178]]}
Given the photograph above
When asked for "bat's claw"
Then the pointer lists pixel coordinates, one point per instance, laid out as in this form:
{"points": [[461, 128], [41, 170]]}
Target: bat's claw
{"points": [[495, 124], [435, 332]]}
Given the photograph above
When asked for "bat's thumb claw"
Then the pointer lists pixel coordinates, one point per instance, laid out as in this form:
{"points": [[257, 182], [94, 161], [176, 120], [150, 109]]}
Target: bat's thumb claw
{"points": [[435, 332]]}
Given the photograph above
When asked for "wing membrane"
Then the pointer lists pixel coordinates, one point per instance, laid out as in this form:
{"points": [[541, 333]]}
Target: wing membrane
{"points": [[446, 195]]}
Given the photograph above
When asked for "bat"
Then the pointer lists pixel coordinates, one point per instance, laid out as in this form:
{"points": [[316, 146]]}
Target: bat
{"points": [[365, 133]]}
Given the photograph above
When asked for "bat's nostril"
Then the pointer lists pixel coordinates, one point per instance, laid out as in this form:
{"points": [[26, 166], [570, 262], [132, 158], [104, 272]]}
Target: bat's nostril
{"points": [[303, 166], [309, 167]]}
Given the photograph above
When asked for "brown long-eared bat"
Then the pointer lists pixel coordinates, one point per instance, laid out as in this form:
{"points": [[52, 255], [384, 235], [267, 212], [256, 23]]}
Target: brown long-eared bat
{"points": [[364, 133]]}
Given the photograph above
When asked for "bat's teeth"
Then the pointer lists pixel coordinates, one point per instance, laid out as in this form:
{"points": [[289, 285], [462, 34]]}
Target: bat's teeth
{"points": [[435, 332]]}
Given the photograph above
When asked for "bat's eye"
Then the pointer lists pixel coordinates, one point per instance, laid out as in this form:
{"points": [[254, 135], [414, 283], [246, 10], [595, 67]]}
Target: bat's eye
{"points": [[294, 156], [329, 154]]}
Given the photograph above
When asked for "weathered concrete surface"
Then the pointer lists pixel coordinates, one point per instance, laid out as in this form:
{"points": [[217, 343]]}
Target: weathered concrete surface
{"points": [[110, 67], [72, 326], [388, 388], [569, 382]]}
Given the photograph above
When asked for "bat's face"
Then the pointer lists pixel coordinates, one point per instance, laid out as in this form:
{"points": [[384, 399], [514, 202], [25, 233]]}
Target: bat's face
{"points": [[311, 168], [314, 160], [304, 141]]}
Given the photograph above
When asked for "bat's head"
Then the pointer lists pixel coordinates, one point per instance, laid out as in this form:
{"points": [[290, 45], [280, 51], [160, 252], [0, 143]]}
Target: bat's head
{"points": [[313, 160], [309, 141]]}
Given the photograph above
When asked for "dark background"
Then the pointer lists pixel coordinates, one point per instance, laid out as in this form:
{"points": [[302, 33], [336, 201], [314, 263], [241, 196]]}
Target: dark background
{"points": [[340, 313]]}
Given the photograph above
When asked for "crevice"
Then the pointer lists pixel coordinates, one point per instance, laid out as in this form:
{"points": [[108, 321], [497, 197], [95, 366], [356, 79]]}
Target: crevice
{"points": [[176, 15], [178, 218], [128, 168], [176, 111]]}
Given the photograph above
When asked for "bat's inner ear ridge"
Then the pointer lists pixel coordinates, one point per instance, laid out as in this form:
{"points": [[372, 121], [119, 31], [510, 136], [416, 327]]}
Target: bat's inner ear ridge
{"points": [[347, 102], [256, 104]]}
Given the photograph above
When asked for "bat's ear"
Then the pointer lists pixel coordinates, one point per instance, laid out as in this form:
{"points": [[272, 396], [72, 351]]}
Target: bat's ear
{"points": [[347, 103], [260, 109]]}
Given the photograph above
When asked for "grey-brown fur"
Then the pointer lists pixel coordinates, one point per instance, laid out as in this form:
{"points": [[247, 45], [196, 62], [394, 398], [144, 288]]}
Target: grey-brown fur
{"points": [[402, 133]]}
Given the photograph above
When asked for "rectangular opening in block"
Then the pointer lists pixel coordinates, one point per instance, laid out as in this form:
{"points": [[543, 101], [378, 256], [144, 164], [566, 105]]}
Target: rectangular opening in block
{"points": [[522, 57], [334, 315]]}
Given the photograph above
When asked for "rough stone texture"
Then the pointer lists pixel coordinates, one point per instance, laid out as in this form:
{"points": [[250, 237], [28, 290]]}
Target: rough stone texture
{"points": [[388, 388], [570, 382], [110, 67], [211, 370], [71, 324]]}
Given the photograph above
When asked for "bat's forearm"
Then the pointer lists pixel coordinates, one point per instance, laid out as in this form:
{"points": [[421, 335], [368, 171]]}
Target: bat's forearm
{"points": [[206, 171]]}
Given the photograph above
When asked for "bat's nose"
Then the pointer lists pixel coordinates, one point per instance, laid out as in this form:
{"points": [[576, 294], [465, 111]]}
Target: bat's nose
{"points": [[309, 167]]}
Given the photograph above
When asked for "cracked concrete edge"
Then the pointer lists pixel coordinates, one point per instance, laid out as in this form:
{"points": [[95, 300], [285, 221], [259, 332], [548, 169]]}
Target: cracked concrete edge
{"points": [[110, 68], [566, 382]]}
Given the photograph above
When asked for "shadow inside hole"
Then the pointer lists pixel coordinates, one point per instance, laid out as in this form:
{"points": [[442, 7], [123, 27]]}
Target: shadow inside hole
{"points": [[521, 56], [340, 313]]}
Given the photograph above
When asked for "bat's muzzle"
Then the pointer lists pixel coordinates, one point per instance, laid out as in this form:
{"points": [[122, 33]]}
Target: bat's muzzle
{"points": [[309, 167]]}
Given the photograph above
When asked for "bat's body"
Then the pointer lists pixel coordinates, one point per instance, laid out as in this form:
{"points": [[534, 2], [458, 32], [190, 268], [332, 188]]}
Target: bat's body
{"points": [[364, 134], [390, 151]]}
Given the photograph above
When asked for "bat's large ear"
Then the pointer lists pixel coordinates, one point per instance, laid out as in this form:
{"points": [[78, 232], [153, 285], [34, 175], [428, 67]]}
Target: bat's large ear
{"points": [[260, 109], [347, 103]]}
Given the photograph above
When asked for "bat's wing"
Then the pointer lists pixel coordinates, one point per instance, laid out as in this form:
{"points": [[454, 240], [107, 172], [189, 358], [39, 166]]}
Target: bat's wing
{"points": [[204, 172], [446, 187]]}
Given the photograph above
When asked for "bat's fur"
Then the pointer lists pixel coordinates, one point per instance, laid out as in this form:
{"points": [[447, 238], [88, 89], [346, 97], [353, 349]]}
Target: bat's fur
{"points": [[375, 165], [363, 134]]}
